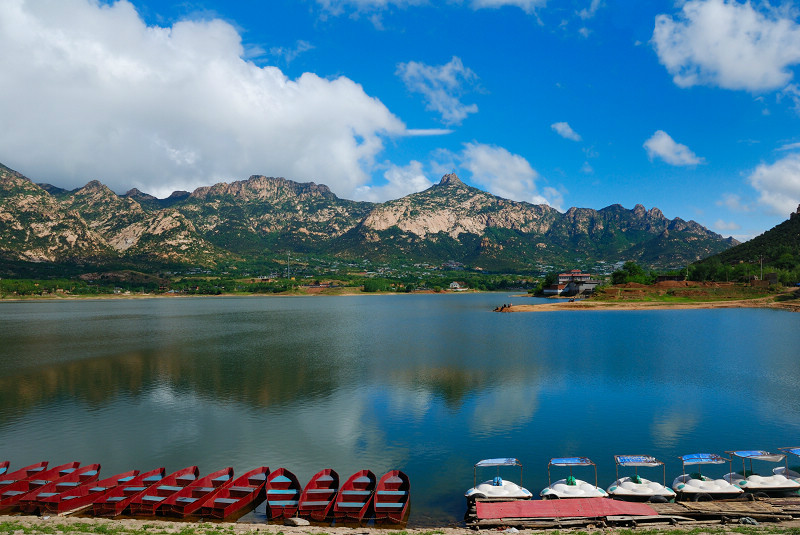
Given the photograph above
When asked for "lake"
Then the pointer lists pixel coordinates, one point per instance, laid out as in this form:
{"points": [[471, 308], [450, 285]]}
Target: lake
{"points": [[428, 384]]}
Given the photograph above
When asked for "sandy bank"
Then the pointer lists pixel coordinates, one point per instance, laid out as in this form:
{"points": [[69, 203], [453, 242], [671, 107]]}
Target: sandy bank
{"points": [[588, 304]]}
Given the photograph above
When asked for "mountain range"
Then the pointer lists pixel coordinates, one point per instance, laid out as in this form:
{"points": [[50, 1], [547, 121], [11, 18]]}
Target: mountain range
{"points": [[263, 217]]}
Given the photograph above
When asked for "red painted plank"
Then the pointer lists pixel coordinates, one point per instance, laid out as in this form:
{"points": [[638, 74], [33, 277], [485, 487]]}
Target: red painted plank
{"points": [[574, 507]]}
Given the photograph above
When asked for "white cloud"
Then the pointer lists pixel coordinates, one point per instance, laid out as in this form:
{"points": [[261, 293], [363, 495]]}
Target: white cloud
{"points": [[728, 44], [733, 202], [400, 181], [528, 6], [591, 11], [505, 174], [721, 225], [661, 145], [337, 7], [441, 87], [289, 54], [99, 94], [565, 130], [778, 184]]}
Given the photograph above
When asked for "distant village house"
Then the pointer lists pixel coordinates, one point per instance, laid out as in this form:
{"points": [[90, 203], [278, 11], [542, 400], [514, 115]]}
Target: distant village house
{"points": [[573, 283]]}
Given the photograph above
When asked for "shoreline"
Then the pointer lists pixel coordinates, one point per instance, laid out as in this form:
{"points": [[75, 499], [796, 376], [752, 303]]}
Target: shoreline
{"points": [[792, 305], [60, 525]]}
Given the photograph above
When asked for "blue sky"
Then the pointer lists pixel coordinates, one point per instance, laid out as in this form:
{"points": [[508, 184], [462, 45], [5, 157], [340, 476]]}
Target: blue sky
{"points": [[692, 107]]}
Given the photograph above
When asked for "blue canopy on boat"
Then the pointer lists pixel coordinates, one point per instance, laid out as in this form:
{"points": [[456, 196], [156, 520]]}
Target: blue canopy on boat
{"points": [[571, 461], [793, 451], [703, 458], [637, 460], [508, 461], [758, 455]]}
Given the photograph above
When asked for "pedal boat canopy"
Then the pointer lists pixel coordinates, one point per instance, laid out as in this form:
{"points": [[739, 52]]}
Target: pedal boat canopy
{"points": [[780, 481]]}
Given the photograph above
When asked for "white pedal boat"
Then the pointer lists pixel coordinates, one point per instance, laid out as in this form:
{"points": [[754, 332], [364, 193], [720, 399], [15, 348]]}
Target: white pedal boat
{"points": [[697, 487], [778, 484], [638, 489], [498, 489], [785, 470], [570, 487]]}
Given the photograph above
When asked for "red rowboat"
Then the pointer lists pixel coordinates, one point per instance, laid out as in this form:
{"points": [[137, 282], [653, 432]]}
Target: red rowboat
{"points": [[117, 500], [283, 492], [82, 497], [32, 502], [11, 494], [189, 499], [22, 474], [392, 498], [316, 501], [246, 491], [146, 503], [355, 497]]}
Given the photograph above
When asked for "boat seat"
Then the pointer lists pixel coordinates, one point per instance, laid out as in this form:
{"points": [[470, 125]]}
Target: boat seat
{"points": [[68, 484], [241, 489], [282, 503], [169, 487], [124, 479], [186, 499], [13, 492], [115, 499], [65, 498], [392, 493], [152, 479], [7, 482], [203, 489], [221, 479], [89, 473], [39, 482], [362, 479], [153, 498], [325, 479], [225, 500], [319, 491], [316, 504], [134, 489], [67, 471], [389, 504], [281, 479], [258, 477], [282, 491], [46, 494], [354, 505], [357, 492]]}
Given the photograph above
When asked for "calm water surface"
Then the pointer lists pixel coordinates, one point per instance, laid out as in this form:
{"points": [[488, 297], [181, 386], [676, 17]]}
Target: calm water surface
{"points": [[428, 384]]}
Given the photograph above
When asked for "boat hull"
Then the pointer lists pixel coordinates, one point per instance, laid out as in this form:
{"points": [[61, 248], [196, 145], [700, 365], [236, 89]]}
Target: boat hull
{"points": [[242, 494], [319, 495], [355, 498], [283, 494], [392, 498]]}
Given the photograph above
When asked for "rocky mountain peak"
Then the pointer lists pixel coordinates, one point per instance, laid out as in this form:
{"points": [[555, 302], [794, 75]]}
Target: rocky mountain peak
{"points": [[450, 179]]}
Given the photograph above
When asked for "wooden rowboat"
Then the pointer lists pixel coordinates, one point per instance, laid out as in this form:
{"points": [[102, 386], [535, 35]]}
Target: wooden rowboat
{"points": [[22, 474], [33, 501], [245, 492], [392, 498], [189, 499], [117, 500], [11, 494], [318, 496], [283, 494], [355, 497], [148, 502], [83, 496]]}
